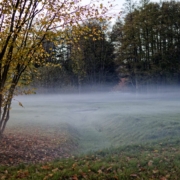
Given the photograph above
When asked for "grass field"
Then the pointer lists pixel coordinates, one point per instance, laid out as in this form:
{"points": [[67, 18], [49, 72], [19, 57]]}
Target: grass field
{"points": [[118, 137]]}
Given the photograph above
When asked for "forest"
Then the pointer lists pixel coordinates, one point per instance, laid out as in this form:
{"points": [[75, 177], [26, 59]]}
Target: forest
{"points": [[138, 53]]}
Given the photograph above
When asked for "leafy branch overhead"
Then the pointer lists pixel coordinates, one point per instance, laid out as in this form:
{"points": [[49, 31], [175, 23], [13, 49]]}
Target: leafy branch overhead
{"points": [[24, 26]]}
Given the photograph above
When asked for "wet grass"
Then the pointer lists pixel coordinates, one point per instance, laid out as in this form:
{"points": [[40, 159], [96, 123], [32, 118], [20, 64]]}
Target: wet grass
{"points": [[141, 128], [147, 161], [117, 140], [141, 149]]}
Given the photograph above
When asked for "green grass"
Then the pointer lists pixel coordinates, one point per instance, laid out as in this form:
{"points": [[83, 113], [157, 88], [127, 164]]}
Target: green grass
{"points": [[115, 124], [114, 144], [148, 161], [139, 129]]}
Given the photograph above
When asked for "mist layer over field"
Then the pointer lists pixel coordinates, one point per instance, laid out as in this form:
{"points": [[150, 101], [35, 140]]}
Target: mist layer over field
{"points": [[103, 120]]}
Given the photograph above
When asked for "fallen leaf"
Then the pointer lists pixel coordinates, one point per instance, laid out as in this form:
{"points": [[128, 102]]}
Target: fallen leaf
{"points": [[20, 104], [150, 163], [134, 175], [100, 171], [45, 167], [55, 170], [155, 171], [50, 175], [74, 166], [75, 177], [3, 177], [109, 169], [163, 178], [22, 174]]}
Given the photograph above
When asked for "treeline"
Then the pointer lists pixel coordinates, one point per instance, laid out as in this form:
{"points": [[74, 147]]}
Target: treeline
{"points": [[85, 56], [141, 50], [148, 45]]}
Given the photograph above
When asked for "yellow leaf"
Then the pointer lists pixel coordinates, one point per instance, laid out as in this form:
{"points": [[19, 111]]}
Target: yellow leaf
{"points": [[100, 171], [3, 177], [45, 167], [150, 163], [134, 175], [155, 171], [55, 170], [50, 175], [20, 104]]}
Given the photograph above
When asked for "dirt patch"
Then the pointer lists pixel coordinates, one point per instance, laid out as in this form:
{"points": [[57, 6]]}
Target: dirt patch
{"points": [[35, 144]]}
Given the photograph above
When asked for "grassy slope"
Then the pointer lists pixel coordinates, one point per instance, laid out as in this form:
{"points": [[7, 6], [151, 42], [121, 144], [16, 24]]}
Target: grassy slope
{"points": [[142, 129], [108, 127], [142, 143]]}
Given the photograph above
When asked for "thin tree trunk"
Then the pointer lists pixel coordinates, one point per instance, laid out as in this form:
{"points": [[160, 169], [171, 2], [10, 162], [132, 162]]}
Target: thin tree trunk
{"points": [[4, 119]]}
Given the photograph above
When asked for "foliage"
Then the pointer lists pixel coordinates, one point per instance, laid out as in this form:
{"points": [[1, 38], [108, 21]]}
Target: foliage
{"points": [[85, 55], [95, 59], [148, 45], [24, 26]]}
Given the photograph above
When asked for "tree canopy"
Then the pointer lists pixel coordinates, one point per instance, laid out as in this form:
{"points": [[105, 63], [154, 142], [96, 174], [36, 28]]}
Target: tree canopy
{"points": [[148, 45], [24, 25]]}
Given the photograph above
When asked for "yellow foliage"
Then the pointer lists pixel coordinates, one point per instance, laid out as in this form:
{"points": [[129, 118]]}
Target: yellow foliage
{"points": [[24, 25]]}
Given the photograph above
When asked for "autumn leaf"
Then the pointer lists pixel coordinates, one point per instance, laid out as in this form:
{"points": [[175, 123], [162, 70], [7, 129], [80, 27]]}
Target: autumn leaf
{"points": [[24, 28], [163, 178], [50, 175], [155, 151], [3, 177], [150, 163], [74, 166], [75, 177], [45, 167], [55, 170], [155, 171], [20, 104], [133, 175], [100, 171], [22, 174], [109, 169]]}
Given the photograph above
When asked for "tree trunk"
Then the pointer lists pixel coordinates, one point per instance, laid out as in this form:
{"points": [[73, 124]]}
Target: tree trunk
{"points": [[79, 84], [5, 104], [4, 119]]}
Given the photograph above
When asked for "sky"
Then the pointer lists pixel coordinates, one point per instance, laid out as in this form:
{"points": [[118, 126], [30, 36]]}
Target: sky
{"points": [[119, 5], [121, 2]]}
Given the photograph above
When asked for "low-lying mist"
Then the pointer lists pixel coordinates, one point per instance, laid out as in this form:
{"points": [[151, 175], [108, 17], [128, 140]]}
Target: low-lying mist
{"points": [[103, 119]]}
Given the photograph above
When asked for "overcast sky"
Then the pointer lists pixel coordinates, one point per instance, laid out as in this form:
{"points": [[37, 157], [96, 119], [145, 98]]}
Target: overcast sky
{"points": [[119, 5], [121, 2]]}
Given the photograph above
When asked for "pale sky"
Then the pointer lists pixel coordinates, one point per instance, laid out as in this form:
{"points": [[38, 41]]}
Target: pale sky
{"points": [[121, 2], [118, 3]]}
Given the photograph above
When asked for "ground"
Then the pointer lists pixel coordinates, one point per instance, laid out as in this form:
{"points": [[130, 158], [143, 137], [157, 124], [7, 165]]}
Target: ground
{"points": [[54, 126], [115, 136], [31, 145]]}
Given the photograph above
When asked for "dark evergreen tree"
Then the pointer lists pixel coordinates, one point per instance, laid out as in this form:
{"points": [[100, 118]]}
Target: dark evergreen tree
{"points": [[148, 44]]}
